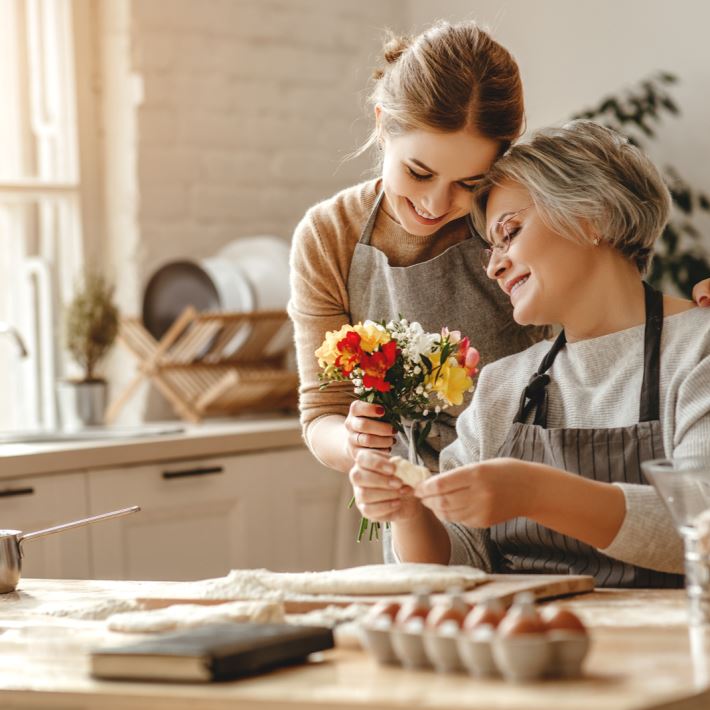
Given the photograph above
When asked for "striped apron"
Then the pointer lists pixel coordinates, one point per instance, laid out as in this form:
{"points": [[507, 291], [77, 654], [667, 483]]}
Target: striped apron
{"points": [[608, 455]]}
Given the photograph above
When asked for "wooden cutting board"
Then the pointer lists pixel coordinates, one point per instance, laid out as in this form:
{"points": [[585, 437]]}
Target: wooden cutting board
{"points": [[498, 586]]}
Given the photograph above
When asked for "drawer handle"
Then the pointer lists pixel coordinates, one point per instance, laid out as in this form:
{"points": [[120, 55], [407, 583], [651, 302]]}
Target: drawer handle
{"points": [[167, 475], [17, 492]]}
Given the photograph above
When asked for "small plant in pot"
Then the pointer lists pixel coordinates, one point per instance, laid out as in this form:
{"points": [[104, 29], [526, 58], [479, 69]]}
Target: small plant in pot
{"points": [[90, 329]]}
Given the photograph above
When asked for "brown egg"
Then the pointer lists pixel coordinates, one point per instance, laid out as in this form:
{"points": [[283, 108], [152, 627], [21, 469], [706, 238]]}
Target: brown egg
{"points": [[488, 612], [416, 607], [455, 609], [557, 618], [384, 608], [522, 618]]}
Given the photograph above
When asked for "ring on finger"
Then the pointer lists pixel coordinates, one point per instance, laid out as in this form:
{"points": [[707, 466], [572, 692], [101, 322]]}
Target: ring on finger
{"points": [[357, 439]]}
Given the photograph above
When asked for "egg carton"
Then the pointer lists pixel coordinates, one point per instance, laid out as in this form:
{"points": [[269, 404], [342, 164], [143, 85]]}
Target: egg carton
{"points": [[483, 653]]}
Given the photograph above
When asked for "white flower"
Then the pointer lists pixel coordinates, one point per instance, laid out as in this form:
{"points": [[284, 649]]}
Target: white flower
{"points": [[437, 409], [419, 390], [421, 343], [417, 370], [425, 412]]}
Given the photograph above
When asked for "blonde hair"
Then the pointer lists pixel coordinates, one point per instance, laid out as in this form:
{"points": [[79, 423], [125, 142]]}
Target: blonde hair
{"points": [[587, 182], [449, 78]]}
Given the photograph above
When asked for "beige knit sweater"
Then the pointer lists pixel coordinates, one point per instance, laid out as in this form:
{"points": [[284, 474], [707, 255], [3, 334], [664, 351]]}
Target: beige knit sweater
{"points": [[322, 249]]}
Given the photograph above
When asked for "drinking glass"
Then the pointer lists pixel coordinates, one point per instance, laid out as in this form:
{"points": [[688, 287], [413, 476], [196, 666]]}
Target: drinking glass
{"points": [[683, 484]]}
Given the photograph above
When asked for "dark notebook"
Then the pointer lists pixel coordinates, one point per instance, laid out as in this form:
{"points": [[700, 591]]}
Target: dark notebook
{"points": [[213, 652]]}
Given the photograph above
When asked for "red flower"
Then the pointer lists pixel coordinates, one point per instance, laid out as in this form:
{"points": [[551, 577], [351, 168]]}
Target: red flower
{"points": [[350, 352], [376, 365]]}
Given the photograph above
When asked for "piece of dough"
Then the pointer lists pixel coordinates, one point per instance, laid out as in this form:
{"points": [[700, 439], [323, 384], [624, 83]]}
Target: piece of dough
{"points": [[372, 579], [408, 472], [181, 616]]}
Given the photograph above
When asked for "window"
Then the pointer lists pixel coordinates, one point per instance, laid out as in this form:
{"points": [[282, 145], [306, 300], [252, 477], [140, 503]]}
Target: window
{"points": [[40, 200]]}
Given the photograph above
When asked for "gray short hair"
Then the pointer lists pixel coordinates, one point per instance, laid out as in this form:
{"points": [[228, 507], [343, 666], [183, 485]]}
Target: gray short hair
{"points": [[586, 178]]}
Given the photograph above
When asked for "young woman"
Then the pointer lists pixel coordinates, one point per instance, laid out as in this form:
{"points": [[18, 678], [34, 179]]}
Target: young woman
{"points": [[545, 474], [447, 104]]}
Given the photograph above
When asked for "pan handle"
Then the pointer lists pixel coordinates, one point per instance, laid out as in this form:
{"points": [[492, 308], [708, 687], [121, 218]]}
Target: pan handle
{"points": [[77, 523]]}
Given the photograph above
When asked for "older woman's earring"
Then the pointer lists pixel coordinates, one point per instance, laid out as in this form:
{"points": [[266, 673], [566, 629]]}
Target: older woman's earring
{"points": [[596, 241]]}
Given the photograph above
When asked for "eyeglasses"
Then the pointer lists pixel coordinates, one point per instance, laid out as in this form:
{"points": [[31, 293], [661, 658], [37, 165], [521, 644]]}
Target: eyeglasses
{"points": [[503, 234]]}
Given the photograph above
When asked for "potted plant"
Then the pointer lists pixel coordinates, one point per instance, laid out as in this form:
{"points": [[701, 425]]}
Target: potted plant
{"points": [[636, 112], [90, 329]]}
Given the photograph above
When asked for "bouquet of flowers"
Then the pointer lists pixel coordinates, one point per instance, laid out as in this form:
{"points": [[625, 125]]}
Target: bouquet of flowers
{"points": [[412, 375]]}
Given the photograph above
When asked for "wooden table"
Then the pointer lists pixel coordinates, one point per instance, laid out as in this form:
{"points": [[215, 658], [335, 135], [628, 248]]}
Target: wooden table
{"points": [[640, 658]]}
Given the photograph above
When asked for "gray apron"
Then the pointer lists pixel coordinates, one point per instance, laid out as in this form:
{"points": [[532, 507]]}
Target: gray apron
{"points": [[448, 290], [608, 455]]}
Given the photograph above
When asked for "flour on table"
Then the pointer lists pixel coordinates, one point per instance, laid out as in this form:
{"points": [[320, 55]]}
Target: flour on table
{"points": [[330, 615], [368, 579], [182, 616], [89, 611], [409, 472]]}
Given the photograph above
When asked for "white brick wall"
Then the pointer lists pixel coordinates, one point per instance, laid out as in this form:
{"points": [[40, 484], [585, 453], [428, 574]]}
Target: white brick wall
{"points": [[248, 108]]}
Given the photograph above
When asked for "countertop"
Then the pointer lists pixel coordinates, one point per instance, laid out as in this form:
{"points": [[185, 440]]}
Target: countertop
{"points": [[211, 439], [640, 658]]}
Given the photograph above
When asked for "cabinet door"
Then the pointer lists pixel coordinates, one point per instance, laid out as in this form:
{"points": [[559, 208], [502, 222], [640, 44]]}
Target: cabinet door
{"points": [[202, 518], [38, 502]]}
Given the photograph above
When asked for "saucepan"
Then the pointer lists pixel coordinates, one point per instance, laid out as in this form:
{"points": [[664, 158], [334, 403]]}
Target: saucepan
{"points": [[11, 545]]}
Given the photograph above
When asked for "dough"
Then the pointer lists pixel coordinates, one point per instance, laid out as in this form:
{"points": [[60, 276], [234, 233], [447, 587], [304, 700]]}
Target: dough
{"points": [[408, 472], [368, 579], [181, 616]]}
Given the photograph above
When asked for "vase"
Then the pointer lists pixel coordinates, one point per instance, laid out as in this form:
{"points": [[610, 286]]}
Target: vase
{"points": [[81, 404]]}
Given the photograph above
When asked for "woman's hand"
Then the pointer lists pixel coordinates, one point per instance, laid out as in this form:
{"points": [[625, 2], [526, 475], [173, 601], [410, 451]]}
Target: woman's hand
{"points": [[365, 432], [379, 494], [701, 293], [479, 495]]}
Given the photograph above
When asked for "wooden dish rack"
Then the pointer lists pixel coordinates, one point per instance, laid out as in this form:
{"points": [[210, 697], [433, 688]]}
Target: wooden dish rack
{"points": [[193, 367]]}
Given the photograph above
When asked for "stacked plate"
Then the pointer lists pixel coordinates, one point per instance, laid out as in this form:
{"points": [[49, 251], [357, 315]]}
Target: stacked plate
{"points": [[249, 274]]}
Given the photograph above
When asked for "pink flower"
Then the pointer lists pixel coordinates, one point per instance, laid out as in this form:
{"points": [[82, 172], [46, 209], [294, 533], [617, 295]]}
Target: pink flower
{"points": [[467, 357]]}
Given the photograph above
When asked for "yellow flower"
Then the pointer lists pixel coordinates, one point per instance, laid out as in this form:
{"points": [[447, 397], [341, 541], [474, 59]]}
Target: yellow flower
{"points": [[328, 351], [371, 336], [449, 381]]}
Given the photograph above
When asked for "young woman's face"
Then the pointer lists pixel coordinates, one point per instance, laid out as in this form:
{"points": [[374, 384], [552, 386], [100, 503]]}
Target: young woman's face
{"points": [[542, 272], [427, 176]]}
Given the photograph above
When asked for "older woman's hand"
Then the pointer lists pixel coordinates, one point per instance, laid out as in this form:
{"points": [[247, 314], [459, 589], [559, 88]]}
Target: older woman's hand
{"points": [[379, 494], [365, 432], [701, 293], [478, 495]]}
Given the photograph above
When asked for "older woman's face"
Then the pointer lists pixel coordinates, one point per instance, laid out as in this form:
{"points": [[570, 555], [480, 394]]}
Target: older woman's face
{"points": [[541, 271]]}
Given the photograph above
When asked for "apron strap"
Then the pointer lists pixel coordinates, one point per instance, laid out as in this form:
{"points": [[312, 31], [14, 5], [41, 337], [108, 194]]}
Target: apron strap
{"points": [[649, 404], [370, 224], [534, 396]]}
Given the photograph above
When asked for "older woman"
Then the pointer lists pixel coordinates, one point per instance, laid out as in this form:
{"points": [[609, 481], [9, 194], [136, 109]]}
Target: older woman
{"points": [[545, 474]]}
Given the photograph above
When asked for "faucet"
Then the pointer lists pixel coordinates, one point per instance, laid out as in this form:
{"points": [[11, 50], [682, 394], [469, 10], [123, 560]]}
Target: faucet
{"points": [[7, 329]]}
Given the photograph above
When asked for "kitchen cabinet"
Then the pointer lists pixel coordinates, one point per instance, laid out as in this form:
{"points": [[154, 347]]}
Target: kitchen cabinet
{"points": [[203, 517], [38, 502]]}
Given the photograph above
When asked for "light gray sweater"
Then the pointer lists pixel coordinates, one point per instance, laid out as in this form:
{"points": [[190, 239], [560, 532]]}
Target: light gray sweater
{"points": [[597, 383]]}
